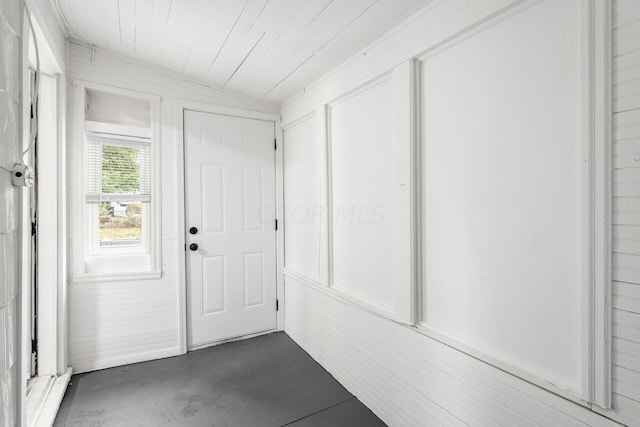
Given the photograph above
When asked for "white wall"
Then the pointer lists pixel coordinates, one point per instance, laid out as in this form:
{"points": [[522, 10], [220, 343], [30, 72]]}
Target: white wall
{"points": [[113, 323], [406, 375], [362, 193], [502, 189], [626, 212], [52, 29], [10, 153], [304, 211]]}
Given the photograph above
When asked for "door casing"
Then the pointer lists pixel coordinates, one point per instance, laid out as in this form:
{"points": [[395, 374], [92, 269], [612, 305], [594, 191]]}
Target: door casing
{"points": [[181, 197]]}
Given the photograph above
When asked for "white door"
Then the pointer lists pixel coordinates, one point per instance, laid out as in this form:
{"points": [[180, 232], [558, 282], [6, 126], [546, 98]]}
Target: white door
{"points": [[231, 236]]}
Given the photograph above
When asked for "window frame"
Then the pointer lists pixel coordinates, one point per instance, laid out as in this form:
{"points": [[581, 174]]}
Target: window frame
{"points": [[118, 133], [90, 262]]}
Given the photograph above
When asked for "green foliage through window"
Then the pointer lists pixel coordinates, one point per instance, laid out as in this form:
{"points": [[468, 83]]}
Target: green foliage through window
{"points": [[120, 169]]}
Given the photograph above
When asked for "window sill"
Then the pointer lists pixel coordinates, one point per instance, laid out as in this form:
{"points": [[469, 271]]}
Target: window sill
{"points": [[116, 277]]}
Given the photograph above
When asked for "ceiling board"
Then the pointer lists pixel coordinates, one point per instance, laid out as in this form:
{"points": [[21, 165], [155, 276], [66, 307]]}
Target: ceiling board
{"points": [[267, 49]]}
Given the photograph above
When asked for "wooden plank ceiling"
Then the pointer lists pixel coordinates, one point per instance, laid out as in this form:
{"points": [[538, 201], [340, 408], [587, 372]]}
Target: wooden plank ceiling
{"points": [[267, 49]]}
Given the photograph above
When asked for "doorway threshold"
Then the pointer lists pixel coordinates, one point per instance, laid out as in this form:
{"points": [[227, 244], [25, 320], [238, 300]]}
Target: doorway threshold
{"points": [[44, 395]]}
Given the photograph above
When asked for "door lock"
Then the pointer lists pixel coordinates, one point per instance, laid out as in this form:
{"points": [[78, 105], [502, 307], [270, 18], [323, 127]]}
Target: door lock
{"points": [[193, 247], [193, 230]]}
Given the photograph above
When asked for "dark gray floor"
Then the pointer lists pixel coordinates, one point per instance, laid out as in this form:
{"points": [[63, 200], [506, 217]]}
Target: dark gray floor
{"points": [[264, 381]]}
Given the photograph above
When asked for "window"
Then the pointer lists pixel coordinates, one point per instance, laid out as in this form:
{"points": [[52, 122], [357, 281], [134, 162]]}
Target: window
{"points": [[119, 232], [119, 185]]}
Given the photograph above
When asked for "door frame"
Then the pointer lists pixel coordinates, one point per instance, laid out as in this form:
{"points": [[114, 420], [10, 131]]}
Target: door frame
{"points": [[180, 107]]}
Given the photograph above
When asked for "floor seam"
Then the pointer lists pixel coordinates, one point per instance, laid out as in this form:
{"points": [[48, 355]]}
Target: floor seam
{"points": [[318, 411]]}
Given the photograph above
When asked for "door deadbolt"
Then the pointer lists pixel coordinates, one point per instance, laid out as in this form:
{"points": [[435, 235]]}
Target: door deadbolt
{"points": [[193, 230], [193, 247]]}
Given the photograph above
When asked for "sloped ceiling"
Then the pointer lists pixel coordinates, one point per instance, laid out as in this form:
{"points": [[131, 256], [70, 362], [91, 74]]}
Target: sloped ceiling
{"points": [[267, 49]]}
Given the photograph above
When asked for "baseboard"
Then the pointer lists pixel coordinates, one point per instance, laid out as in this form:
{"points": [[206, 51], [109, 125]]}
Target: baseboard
{"points": [[129, 359], [240, 338], [44, 397]]}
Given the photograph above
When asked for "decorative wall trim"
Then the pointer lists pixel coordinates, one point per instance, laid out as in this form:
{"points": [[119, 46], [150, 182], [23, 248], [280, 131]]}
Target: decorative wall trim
{"points": [[599, 29], [409, 379], [338, 295], [109, 362], [361, 71], [596, 38]]}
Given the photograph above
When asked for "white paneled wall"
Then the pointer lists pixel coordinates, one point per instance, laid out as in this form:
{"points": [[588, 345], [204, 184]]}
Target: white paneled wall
{"points": [[52, 29], [405, 376], [113, 323], [10, 153], [304, 199], [501, 177], [360, 131]]}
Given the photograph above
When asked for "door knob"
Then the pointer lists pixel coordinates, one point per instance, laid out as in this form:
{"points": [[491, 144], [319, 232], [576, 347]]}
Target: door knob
{"points": [[193, 230], [193, 247]]}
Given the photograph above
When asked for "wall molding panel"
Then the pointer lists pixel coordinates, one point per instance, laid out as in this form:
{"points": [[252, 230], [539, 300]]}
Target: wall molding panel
{"points": [[430, 33]]}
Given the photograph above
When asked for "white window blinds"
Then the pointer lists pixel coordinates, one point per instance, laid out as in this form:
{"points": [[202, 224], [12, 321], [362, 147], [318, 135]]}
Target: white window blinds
{"points": [[118, 169]]}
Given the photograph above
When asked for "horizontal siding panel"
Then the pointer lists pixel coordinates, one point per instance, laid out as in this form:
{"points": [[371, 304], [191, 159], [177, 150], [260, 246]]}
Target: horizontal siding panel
{"points": [[155, 333], [625, 38], [626, 318], [145, 78], [626, 360], [626, 232], [627, 147], [132, 356], [626, 383], [87, 303], [625, 90], [162, 322], [626, 354], [468, 409], [626, 204], [626, 390], [626, 333], [625, 103], [627, 290], [626, 261], [332, 331], [625, 410], [626, 218], [624, 132], [87, 358], [133, 308], [626, 246], [626, 304], [120, 343], [626, 74], [627, 189], [627, 118], [160, 290], [626, 275], [625, 12], [626, 60], [626, 175]]}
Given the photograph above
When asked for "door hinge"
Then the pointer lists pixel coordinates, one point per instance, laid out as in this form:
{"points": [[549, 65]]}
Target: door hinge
{"points": [[277, 305], [276, 225], [275, 144], [33, 228]]}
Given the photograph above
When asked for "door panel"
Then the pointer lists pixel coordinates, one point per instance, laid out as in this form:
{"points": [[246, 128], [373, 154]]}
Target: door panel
{"points": [[230, 193]]}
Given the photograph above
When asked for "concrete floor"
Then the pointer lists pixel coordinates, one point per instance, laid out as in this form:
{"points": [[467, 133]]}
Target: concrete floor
{"points": [[264, 381]]}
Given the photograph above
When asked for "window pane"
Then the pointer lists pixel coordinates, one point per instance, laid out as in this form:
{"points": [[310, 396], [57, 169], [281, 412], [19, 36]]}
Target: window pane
{"points": [[120, 224], [120, 169]]}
